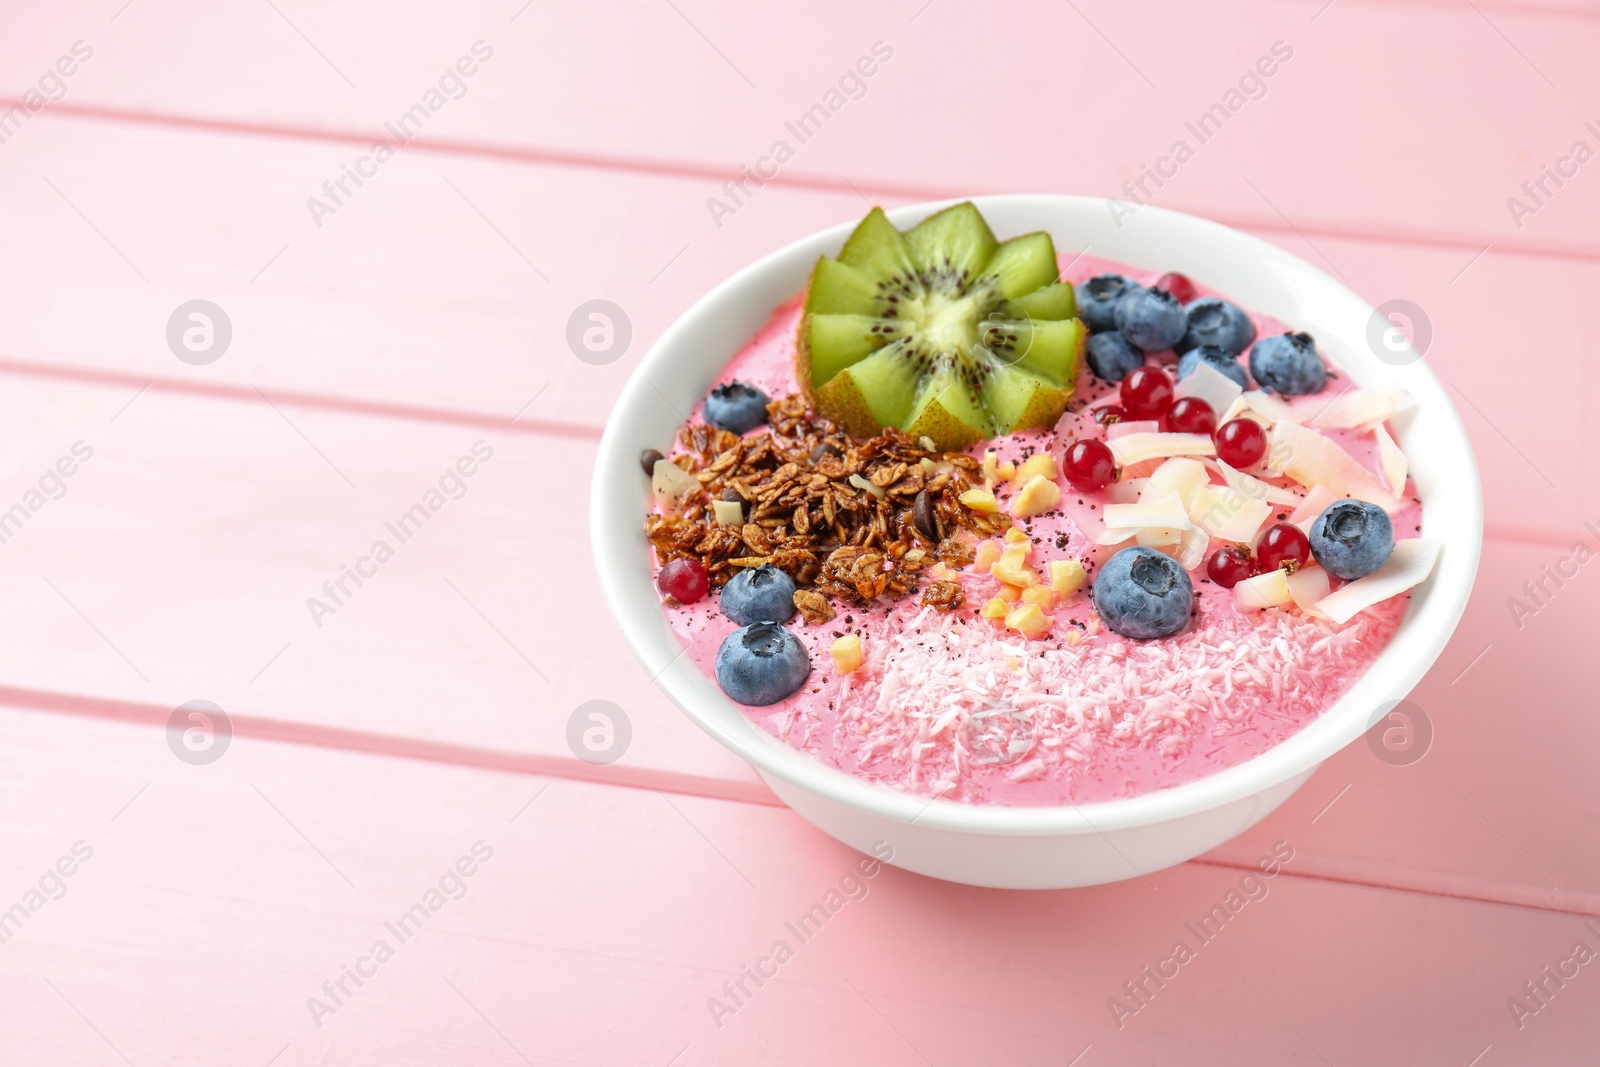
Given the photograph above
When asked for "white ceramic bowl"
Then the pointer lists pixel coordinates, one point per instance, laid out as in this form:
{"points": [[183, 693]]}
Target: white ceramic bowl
{"points": [[1041, 847]]}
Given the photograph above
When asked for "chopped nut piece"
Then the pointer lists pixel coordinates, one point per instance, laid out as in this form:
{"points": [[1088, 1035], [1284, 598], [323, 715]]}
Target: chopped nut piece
{"points": [[946, 596], [981, 501], [1041, 595], [988, 553], [1043, 463], [1012, 567], [1028, 620], [846, 653], [995, 609], [672, 486], [727, 512], [1037, 496], [1066, 576]]}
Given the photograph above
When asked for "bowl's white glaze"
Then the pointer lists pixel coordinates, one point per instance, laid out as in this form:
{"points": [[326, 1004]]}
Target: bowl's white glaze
{"points": [[1042, 847]]}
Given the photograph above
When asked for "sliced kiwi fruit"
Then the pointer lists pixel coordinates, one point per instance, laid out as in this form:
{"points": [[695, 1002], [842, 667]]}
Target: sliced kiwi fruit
{"points": [[941, 331]]}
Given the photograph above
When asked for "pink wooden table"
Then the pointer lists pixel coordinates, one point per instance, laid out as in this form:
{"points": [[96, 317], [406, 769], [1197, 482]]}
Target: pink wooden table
{"points": [[408, 748]]}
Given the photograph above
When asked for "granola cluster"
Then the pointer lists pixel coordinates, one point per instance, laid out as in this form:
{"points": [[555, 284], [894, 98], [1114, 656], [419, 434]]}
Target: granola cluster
{"points": [[846, 518]]}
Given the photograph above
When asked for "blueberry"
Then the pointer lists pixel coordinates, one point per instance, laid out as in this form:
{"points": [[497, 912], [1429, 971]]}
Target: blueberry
{"points": [[1142, 593], [759, 594], [1288, 363], [1152, 319], [1098, 298], [736, 407], [1352, 538], [1111, 357], [761, 664], [1218, 358], [1214, 321]]}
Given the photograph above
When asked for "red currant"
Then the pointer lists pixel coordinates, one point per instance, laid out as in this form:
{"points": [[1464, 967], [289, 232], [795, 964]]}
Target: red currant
{"points": [[1146, 393], [1107, 415], [1230, 565], [1241, 443], [1090, 465], [1178, 285], [684, 580], [1190, 415], [1284, 545]]}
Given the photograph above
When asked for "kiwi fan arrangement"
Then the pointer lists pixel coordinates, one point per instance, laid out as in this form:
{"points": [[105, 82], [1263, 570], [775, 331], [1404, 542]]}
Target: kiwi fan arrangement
{"points": [[942, 332]]}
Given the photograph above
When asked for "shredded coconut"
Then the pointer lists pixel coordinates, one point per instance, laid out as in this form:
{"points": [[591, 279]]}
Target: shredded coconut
{"points": [[945, 703]]}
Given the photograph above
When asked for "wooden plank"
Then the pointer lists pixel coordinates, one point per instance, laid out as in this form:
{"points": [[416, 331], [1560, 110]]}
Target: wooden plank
{"points": [[179, 566], [188, 559], [606, 919], [1501, 88], [472, 335]]}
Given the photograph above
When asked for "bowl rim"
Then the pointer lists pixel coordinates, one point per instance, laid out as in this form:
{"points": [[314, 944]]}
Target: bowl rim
{"points": [[617, 503]]}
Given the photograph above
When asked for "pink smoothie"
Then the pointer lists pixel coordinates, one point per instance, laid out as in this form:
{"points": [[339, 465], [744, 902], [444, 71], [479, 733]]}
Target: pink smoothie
{"points": [[950, 704]]}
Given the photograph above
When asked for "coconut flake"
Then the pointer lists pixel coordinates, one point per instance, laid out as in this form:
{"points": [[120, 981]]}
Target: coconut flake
{"points": [[1176, 476], [1391, 459], [1166, 512], [1315, 503], [1227, 513], [1241, 409], [1270, 407], [1138, 447], [1408, 565], [1192, 547], [1267, 590], [1308, 586], [1112, 538], [1252, 486], [1159, 536], [1207, 383], [1364, 407], [670, 484], [1312, 459], [1123, 429]]}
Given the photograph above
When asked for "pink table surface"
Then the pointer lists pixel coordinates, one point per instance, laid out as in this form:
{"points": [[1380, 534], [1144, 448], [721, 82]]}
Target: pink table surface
{"points": [[427, 315]]}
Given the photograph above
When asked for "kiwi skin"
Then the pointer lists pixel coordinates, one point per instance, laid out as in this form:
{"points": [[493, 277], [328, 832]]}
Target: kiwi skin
{"points": [[846, 407]]}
